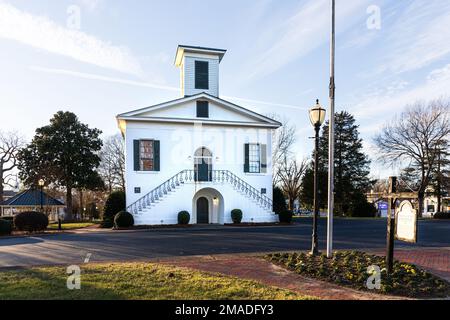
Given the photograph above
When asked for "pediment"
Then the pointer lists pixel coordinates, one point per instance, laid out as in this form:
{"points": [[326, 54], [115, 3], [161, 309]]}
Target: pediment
{"points": [[186, 108]]}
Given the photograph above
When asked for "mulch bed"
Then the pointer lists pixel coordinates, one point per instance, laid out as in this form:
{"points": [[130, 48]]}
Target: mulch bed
{"points": [[350, 268]]}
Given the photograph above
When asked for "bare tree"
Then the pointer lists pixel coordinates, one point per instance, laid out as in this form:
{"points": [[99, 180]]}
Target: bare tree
{"points": [[112, 166], [416, 137], [290, 175], [10, 143], [283, 139]]}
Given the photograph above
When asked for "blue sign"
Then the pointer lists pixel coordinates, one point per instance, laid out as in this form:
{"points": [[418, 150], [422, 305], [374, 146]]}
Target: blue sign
{"points": [[382, 205]]}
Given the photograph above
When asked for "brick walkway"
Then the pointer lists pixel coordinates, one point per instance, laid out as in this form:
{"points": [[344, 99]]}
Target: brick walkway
{"points": [[253, 267], [435, 260]]}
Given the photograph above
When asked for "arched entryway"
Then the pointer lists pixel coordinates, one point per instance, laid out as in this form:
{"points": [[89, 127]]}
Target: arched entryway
{"points": [[203, 164], [208, 206], [202, 210]]}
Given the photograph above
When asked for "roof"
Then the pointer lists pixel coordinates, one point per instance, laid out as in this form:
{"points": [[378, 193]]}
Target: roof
{"points": [[9, 193], [181, 49], [30, 198], [263, 121]]}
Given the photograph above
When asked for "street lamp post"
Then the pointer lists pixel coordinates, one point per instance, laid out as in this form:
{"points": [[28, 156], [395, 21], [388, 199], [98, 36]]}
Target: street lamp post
{"points": [[41, 183], [317, 116]]}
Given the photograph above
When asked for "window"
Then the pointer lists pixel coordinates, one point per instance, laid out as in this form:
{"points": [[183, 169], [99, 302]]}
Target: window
{"points": [[201, 75], [146, 155], [202, 109], [254, 157]]}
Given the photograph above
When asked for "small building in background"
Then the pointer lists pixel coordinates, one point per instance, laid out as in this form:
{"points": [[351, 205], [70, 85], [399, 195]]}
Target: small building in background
{"points": [[32, 200], [8, 194]]}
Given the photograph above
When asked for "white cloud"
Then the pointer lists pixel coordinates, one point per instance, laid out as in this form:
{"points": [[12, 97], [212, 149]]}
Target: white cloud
{"points": [[382, 102], [98, 77], [91, 76], [418, 38], [42, 33], [303, 32], [91, 5]]}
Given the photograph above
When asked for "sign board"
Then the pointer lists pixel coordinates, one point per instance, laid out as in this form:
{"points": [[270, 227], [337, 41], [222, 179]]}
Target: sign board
{"points": [[406, 222], [382, 205]]}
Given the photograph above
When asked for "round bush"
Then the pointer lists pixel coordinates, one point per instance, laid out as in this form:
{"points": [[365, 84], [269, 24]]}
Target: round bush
{"points": [[31, 221], [236, 215], [107, 223], [123, 220], [442, 215], [114, 204], [285, 216], [184, 217], [5, 227]]}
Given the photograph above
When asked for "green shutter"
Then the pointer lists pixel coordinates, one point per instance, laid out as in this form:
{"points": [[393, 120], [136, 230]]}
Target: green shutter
{"points": [[156, 147], [246, 158], [136, 154], [263, 158]]}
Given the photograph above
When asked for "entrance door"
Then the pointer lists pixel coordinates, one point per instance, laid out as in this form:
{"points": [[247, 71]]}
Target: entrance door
{"points": [[203, 164], [202, 210], [202, 170]]}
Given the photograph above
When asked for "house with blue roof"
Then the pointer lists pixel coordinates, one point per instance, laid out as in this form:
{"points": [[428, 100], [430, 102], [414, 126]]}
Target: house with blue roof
{"points": [[32, 200]]}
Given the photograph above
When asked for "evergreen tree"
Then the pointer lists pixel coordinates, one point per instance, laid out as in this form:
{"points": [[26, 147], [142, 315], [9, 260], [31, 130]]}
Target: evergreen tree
{"points": [[351, 166], [64, 153]]}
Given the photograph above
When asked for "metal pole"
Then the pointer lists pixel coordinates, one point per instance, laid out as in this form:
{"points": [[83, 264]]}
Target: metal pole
{"points": [[42, 201], [330, 203], [390, 237], [315, 246]]}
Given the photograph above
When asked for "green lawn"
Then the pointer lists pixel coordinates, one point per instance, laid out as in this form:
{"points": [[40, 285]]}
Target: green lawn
{"points": [[70, 226], [133, 281]]}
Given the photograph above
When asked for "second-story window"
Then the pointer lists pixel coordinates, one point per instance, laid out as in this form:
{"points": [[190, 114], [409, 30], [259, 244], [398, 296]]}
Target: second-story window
{"points": [[201, 75], [202, 109]]}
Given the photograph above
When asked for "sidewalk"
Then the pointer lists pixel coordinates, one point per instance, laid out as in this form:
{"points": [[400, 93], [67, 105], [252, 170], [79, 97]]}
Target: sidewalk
{"points": [[434, 260], [256, 268]]}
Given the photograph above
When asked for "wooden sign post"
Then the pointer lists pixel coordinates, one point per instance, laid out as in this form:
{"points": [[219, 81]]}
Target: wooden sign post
{"points": [[401, 225], [390, 225]]}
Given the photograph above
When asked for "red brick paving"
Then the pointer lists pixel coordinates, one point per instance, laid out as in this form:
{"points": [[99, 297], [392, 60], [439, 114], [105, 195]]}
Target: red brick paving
{"points": [[256, 268], [435, 260]]}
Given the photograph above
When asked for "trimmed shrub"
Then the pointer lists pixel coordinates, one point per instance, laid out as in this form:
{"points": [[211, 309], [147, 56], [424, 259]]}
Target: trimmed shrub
{"points": [[279, 201], [236, 215], [114, 204], [123, 220], [31, 221], [10, 219], [107, 223], [285, 216], [363, 209], [184, 217], [442, 215], [6, 227]]}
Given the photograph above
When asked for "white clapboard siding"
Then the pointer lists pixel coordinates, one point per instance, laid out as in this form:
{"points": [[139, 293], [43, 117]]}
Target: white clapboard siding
{"points": [[188, 73]]}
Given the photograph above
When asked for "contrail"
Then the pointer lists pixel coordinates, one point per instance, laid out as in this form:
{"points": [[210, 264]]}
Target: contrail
{"points": [[92, 76]]}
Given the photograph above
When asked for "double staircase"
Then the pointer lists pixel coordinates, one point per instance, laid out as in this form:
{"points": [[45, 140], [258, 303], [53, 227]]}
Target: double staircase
{"points": [[146, 202]]}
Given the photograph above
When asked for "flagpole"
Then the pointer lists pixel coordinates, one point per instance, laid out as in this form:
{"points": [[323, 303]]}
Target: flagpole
{"points": [[331, 139]]}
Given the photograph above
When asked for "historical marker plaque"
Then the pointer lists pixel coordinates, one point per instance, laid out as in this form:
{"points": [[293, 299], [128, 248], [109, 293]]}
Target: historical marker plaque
{"points": [[406, 222]]}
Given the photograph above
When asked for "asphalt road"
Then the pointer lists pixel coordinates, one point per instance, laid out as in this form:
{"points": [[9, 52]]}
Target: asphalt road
{"points": [[159, 243]]}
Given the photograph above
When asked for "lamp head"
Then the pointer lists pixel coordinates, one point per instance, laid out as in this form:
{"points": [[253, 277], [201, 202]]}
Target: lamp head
{"points": [[317, 114], [41, 182]]}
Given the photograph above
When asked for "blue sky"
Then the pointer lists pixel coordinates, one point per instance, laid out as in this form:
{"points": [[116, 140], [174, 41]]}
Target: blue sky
{"points": [[119, 56]]}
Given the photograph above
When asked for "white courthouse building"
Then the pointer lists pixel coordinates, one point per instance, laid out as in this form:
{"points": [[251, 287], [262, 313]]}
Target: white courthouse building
{"points": [[198, 153]]}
